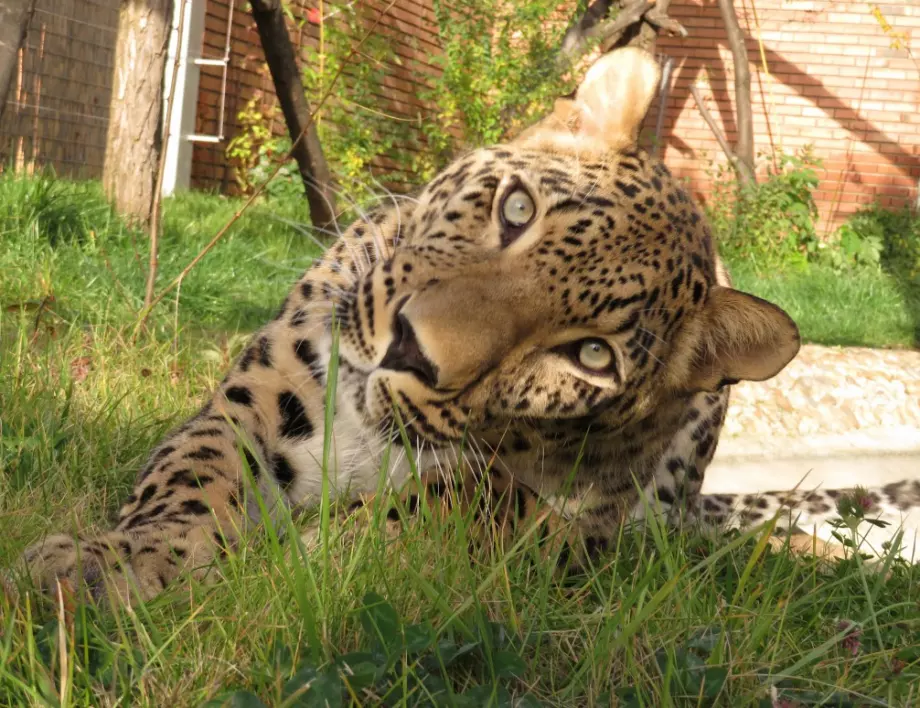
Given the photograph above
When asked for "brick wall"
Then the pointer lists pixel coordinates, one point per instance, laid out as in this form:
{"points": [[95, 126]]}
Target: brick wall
{"points": [[831, 80], [408, 24]]}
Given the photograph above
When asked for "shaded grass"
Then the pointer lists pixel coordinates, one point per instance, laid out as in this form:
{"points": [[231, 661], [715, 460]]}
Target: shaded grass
{"points": [[665, 619]]}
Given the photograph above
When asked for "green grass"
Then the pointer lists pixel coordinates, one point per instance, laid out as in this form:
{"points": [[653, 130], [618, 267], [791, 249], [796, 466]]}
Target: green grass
{"points": [[858, 308], [663, 620]]}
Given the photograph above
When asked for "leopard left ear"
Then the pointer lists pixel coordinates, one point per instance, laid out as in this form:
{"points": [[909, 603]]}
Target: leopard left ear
{"points": [[737, 337], [608, 106]]}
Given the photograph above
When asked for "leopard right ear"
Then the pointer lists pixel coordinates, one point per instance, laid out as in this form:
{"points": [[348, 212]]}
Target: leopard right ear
{"points": [[735, 337]]}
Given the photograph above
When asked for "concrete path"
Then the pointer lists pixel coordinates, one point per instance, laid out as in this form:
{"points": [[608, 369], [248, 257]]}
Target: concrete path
{"points": [[841, 416]]}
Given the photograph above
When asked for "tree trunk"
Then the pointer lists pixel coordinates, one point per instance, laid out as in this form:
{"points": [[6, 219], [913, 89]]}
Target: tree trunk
{"points": [[634, 23], [579, 33], [134, 140], [744, 115], [14, 21], [306, 148]]}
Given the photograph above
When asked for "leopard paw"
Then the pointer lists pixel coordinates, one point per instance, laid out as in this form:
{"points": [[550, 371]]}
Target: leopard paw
{"points": [[96, 569]]}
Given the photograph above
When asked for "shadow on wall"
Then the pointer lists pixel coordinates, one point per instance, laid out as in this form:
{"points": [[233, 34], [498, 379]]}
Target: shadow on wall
{"points": [[688, 68]]}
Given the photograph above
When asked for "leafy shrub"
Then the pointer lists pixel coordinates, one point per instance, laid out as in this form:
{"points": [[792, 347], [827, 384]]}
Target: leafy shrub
{"points": [[499, 71], [858, 243], [889, 238], [342, 85], [773, 221], [353, 124], [254, 152]]}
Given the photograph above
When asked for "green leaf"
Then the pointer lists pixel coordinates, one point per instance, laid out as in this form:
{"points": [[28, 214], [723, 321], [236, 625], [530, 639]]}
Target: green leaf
{"points": [[382, 625], [418, 637], [492, 696], [325, 691], [451, 653], [507, 664], [304, 677], [713, 680], [360, 670]]}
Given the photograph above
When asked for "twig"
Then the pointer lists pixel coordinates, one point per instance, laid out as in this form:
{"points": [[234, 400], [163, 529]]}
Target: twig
{"points": [[156, 206], [628, 16], [663, 91], [713, 126], [226, 227], [38, 314], [744, 118]]}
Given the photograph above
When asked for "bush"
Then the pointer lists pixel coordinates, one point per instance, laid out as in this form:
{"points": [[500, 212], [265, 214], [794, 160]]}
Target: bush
{"points": [[772, 222], [499, 71], [881, 237]]}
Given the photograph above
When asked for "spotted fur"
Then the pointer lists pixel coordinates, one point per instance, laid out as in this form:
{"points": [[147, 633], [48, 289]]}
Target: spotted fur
{"points": [[463, 334]]}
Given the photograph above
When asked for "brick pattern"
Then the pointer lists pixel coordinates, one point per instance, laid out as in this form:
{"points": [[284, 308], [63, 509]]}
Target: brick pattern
{"points": [[823, 74], [408, 24]]}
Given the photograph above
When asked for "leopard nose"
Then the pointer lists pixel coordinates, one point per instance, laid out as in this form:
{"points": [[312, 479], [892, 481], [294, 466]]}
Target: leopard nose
{"points": [[405, 354]]}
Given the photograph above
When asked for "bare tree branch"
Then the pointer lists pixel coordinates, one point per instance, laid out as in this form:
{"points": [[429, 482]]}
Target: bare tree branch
{"points": [[658, 17], [575, 41], [631, 14], [664, 89], [744, 116], [720, 136], [579, 34], [308, 153], [153, 262], [635, 22]]}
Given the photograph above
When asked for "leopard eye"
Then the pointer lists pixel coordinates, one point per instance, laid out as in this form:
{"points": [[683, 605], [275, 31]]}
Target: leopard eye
{"points": [[595, 355], [518, 209]]}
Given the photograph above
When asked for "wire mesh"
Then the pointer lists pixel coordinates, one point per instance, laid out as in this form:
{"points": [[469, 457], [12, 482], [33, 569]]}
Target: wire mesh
{"points": [[57, 108]]}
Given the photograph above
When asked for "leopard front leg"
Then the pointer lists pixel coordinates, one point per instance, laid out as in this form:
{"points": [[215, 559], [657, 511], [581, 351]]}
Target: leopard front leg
{"points": [[189, 503], [185, 510]]}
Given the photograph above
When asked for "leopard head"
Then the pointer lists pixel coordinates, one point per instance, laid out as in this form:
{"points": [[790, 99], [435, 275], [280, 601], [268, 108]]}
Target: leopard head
{"points": [[562, 282]]}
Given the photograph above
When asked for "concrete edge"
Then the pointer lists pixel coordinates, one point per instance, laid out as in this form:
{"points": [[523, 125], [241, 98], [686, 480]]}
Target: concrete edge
{"points": [[875, 442]]}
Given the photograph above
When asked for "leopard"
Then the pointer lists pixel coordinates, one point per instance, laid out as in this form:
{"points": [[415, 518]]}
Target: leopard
{"points": [[547, 319]]}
